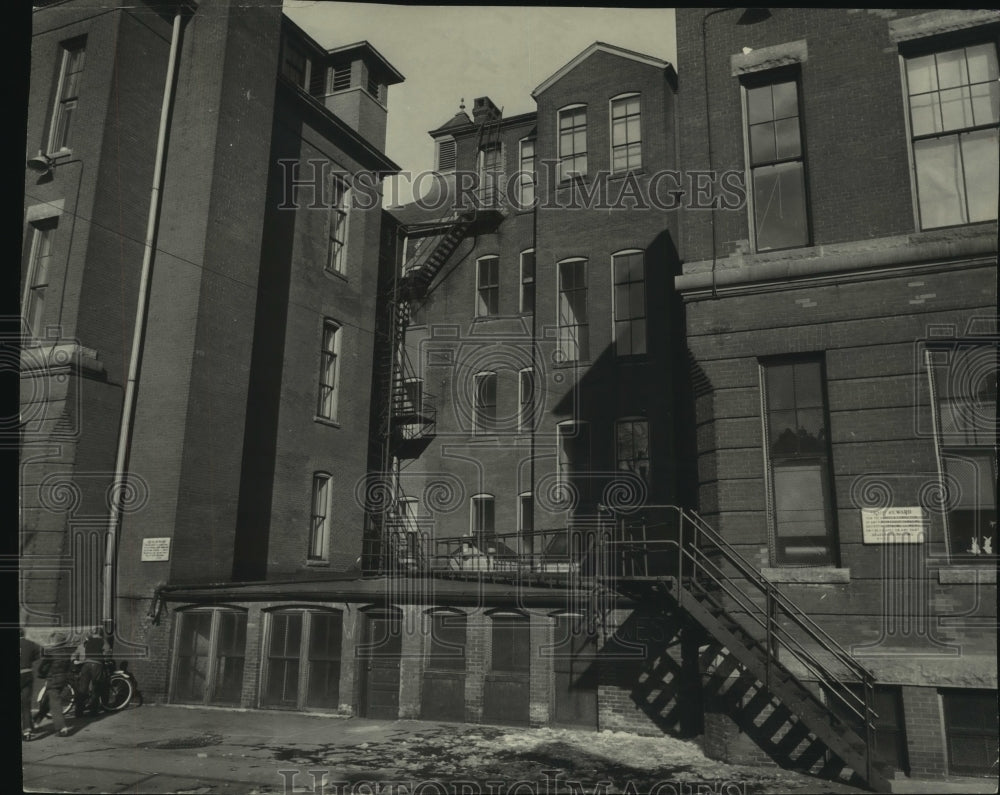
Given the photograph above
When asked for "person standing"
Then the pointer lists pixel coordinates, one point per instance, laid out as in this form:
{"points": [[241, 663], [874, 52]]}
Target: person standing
{"points": [[31, 652], [92, 652], [57, 660]]}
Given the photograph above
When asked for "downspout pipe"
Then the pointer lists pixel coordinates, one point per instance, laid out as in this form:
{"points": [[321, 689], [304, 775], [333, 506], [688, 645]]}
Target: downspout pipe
{"points": [[119, 484]]}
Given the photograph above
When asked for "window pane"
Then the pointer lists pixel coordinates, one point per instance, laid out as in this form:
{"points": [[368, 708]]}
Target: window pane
{"points": [[982, 62], [980, 160], [925, 114], [759, 104], [799, 501], [762, 146], [783, 427], [324, 659], [811, 431], [780, 386], [808, 385], [786, 101], [939, 182], [986, 103], [779, 204], [951, 69], [921, 74], [786, 133], [956, 108]]}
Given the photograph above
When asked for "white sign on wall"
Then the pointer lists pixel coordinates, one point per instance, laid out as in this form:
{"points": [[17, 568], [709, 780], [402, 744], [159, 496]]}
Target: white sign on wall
{"points": [[893, 525], [155, 549]]}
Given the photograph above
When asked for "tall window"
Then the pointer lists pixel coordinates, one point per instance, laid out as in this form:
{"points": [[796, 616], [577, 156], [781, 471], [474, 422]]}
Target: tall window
{"points": [[626, 136], [632, 447], [484, 416], [319, 528], [526, 174], [37, 282], [954, 103], [211, 650], [526, 400], [777, 167], [797, 445], [487, 286], [964, 379], [490, 174], [526, 303], [572, 142], [482, 526], [67, 95], [574, 343], [329, 371], [340, 198], [630, 303]]}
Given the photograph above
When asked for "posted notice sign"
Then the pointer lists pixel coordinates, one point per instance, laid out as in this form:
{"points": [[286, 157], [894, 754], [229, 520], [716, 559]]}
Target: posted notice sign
{"points": [[893, 525], [155, 549]]}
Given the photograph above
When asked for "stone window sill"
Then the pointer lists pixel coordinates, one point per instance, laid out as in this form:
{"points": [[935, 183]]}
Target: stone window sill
{"points": [[808, 574], [967, 574]]}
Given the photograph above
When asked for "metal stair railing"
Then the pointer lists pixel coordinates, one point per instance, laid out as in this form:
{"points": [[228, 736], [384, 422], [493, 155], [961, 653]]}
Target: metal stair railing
{"points": [[694, 558]]}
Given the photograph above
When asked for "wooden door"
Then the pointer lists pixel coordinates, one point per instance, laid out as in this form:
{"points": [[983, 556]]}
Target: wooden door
{"points": [[575, 669], [379, 662]]}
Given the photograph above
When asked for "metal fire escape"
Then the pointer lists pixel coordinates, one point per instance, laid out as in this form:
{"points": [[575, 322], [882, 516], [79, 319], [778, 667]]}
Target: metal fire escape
{"points": [[408, 418]]}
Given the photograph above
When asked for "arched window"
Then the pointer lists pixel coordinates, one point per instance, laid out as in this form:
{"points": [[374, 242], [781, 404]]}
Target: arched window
{"points": [[209, 655]]}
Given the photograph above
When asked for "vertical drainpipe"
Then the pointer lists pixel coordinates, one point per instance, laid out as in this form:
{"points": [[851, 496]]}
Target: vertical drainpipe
{"points": [[138, 335]]}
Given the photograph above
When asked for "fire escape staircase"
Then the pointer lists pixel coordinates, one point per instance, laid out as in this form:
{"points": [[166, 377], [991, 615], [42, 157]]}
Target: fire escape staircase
{"points": [[762, 650], [407, 423], [757, 648]]}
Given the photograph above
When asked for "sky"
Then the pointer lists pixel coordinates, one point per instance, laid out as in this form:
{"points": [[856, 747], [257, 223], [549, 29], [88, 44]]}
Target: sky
{"points": [[447, 53]]}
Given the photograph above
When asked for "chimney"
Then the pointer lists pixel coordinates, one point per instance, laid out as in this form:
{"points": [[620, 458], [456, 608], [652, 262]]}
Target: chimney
{"points": [[484, 110]]}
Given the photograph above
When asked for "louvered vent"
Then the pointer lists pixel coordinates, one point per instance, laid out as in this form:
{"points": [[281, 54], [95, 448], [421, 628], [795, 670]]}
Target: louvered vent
{"points": [[446, 155]]}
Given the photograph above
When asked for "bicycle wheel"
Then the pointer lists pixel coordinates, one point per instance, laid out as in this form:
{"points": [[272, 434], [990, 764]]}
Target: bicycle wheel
{"points": [[118, 693], [68, 693]]}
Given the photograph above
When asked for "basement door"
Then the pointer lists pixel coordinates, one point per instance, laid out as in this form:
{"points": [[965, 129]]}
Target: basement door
{"points": [[379, 662], [505, 691], [574, 667]]}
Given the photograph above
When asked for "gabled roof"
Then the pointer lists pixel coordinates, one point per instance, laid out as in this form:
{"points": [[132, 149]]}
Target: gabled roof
{"points": [[611, 49]]}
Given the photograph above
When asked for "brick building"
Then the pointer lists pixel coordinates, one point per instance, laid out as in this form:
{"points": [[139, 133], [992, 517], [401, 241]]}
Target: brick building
{"points": [[499, 455], [843, 331]]}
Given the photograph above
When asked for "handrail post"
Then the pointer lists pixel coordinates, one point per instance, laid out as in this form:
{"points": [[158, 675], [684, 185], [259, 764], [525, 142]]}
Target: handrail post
{"points": [[770, 640], [680, 562], [868, 689]]}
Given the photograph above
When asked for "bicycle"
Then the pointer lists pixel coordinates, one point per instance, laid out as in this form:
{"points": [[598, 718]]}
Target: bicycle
{"points": [[117, 692]]}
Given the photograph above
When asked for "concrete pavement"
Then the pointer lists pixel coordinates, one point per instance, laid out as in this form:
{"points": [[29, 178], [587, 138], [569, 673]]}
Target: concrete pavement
{"points": [[161, 749]]}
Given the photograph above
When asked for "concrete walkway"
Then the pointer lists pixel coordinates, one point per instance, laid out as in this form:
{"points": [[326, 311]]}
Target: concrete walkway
{"points": [[173, 749]]}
